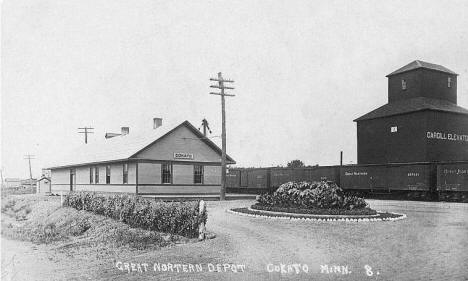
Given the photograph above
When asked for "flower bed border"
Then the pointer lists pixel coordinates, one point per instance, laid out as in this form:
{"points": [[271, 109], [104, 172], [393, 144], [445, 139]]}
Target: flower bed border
{"points": [[315, 212], [381, 216]]}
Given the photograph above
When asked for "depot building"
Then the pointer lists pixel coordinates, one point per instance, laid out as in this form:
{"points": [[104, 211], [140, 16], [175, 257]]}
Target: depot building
{"points": [[165, 161], [421, 121]]}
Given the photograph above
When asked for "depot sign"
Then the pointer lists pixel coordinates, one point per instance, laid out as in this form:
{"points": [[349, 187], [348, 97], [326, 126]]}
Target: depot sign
{"points": [[183, 155], [446, 136]]}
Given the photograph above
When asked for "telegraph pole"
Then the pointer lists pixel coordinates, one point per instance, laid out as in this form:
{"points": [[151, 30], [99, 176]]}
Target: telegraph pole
{"points": [[86, 131], [222, 87], [29, 157]]}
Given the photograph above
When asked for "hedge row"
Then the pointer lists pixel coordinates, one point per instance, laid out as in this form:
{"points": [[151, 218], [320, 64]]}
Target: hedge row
{"points": [[181, 218]]}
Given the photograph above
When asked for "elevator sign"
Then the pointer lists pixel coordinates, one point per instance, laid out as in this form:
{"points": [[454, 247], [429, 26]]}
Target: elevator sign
{"points": [[183, 155], [446, 136]]}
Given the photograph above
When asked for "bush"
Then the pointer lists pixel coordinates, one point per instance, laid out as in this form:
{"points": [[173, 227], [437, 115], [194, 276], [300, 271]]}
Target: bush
{"points": [[311, 195], [181, 218]]}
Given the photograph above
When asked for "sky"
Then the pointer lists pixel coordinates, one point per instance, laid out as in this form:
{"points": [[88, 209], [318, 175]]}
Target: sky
{"points": [[303, 70]]}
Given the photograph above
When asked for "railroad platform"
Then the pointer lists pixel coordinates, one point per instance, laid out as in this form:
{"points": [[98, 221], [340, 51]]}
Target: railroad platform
{"points": [[207, 197]]}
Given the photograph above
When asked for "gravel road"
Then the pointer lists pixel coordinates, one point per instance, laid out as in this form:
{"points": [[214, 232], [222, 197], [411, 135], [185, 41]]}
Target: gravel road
{"points": [[430, 244]]}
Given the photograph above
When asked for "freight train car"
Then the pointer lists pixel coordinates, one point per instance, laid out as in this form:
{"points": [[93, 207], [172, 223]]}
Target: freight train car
{"points": [[415, 181], [409, 181], [323, 173], [363, 178], [248, 180], [452, 182], [281, 175]]}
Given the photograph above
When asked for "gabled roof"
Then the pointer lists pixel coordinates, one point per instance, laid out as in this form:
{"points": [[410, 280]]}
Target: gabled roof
{"points": [[421, 64], [413, 105], [43, 178], [124, 147]]}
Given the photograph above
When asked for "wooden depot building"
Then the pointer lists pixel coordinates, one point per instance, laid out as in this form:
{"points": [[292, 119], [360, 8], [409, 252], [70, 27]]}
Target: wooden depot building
{"points": [[167, 161]]}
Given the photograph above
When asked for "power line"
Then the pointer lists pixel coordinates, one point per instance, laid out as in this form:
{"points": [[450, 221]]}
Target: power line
{"points": [[86, 131], [222, 87]]}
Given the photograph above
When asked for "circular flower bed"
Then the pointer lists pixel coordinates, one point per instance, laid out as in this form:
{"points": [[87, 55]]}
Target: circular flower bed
{"points": [[316, 211], [379, 216], [322, 201]]}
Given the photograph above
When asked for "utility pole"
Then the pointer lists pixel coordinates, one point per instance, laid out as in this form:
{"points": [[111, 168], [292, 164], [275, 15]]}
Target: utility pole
{"points": [[205, 126], [222, 87], [86, 131], [29, 157]]}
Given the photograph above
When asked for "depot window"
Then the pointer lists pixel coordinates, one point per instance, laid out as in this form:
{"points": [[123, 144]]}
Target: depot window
{"points": [[449, 82], [91, 175], [108, 174], [125, 173], [198, 174], [166, 172], [96, 174], [403, 84]]}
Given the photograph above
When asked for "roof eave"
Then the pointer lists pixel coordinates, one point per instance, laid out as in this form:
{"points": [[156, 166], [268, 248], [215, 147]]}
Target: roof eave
{"points": [[87, 164], [421, 67], [408, 112]]}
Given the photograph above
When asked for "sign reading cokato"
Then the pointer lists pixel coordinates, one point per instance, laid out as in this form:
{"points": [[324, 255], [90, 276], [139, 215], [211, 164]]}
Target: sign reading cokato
{"points": [[183, 155]]}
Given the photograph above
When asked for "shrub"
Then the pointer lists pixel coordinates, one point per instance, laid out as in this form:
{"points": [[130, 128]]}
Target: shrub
{"points": [[181, 218], [312, 195]]}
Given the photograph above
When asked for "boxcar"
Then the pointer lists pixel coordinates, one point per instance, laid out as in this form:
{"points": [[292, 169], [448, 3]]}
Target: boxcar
{"points": [[324, 173], [363, 177], [278, 176], [258, 178], [244, 178], [452, 182], [233, 178], [416, 177], [452, 177]]}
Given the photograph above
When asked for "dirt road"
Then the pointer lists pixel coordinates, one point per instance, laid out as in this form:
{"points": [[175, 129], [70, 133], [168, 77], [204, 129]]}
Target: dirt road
{"points": [[430, 244]]}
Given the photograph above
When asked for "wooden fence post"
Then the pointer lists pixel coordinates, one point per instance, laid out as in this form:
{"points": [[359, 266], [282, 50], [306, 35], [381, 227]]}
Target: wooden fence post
{"points": [[201, 227], [61, 198]]}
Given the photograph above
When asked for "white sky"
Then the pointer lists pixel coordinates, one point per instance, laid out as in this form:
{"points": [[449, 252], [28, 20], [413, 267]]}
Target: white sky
{"points": [[303, 70]]}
